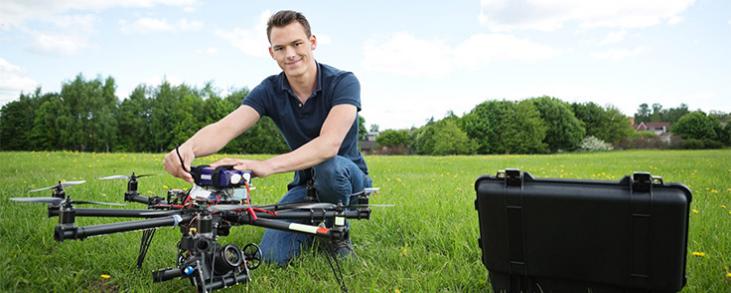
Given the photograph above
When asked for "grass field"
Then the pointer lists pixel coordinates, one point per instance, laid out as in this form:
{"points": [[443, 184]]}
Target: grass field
{"points": [[427, 243]]}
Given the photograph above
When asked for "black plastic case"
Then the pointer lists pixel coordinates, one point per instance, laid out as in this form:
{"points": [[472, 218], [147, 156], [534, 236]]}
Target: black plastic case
{"points": [[559, 235]]}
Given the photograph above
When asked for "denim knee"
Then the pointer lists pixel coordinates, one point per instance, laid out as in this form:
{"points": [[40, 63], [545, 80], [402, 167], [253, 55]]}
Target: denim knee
{"points": [[337, 178]]}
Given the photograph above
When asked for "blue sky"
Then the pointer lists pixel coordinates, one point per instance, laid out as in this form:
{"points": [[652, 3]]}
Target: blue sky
{"points": [[415, 59]]}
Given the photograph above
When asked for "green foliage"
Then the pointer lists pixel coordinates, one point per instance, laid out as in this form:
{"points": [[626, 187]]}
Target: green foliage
{"points": [[658, 114], [696, 125], [444, 138], [564, 131], [134, 119], [608, 124], [506, 127], [393, 138], [16, 123], [362, 131]]}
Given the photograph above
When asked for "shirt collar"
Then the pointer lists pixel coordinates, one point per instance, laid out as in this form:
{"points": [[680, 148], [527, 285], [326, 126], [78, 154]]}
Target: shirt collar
{"points": [[318, 84]]}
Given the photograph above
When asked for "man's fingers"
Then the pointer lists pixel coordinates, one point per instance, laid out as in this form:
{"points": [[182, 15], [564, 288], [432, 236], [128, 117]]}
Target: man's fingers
{"points": [[224, 161]]}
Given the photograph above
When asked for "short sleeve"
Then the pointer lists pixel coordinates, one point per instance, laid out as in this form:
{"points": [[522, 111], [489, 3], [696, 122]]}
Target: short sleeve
{"points": [[347, 91], [257, 99]]}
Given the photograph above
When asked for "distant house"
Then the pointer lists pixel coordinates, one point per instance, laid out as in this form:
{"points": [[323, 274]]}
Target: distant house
{"points": [[659, 128], [368, 146]]}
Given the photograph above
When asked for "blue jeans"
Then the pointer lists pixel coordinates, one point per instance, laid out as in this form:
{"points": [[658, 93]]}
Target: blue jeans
{"points": [[335, 179]]}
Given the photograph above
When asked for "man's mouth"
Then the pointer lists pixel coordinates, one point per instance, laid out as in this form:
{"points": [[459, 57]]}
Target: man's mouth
{"points": [[293, 62]]}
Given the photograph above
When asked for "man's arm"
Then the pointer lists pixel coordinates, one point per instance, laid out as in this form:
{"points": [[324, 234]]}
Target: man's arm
{"points": [[325, 146], [210, 139]]}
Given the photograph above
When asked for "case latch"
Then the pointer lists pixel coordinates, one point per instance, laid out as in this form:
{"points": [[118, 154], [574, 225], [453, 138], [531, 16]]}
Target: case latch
{"points": [[642, 181], [513, 177]]}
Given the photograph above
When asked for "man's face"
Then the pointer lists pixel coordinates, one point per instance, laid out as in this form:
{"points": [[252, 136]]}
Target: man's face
{"points": [[292, 49]]}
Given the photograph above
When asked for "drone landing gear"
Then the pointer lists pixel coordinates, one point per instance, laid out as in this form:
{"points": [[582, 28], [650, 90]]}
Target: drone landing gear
{"points": [[145, 245]]}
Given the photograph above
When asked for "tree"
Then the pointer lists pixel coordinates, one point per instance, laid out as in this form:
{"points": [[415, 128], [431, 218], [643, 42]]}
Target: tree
{"points": [[362, 131], [672, 115], [643, 113], [696, 125], [393, 138], [374, 128], [609, 124], [134, 117], [443, 138], [477, 125], [16, 123], [564, 131], [506, 127]]}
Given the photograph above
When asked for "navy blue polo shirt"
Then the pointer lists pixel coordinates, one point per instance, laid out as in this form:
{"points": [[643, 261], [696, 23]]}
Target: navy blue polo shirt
{"points": [[299, 123]]}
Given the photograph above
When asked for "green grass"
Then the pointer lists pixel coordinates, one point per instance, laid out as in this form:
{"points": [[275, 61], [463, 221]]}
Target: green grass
{"points": [[426, 243]]}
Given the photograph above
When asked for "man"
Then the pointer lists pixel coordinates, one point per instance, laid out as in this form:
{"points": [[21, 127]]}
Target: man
{"points": [[315, 107]]}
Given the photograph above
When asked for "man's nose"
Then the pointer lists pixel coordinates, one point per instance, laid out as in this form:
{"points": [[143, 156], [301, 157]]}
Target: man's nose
{"points": [[290, 52]]}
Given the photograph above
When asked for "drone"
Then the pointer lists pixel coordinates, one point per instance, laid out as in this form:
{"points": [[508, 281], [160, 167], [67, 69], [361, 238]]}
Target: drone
{"points": [[219, 200]]}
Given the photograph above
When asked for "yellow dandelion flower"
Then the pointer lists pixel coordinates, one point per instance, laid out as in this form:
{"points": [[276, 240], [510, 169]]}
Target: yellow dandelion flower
{"points": [[105, 276], [713, 190], [723, 206], [698, 254], [728, 275], [396, 290], [695, 211]]}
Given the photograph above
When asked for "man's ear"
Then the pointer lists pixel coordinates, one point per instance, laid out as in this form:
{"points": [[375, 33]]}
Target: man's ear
{"points": [[313, 42], [271, 52]]}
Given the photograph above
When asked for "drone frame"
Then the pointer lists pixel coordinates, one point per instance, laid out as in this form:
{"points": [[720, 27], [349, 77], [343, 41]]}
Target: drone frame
{"points": [[201, 222]]}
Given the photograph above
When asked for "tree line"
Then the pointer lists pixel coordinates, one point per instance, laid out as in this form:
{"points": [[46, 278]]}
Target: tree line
{"points": [[548, 125], [87, 116]]}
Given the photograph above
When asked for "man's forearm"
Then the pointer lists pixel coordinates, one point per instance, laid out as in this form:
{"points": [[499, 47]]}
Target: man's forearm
{"points": [[306, 156], [206, 141]]}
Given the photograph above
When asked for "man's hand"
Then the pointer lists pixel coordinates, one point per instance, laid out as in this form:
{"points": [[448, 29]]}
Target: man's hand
{"points": [[258, 168], [172, 163]]}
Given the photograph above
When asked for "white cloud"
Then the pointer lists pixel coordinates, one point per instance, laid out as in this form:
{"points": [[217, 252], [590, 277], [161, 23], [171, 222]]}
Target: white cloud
{"points": [[550, 15], [486, 48], [404, 54], [58, 44], [614, 37], [16, 12], [189, 25], [77, 22], [619, 54], [210, 51], [252, 41], [145, 25], [12, 81]]}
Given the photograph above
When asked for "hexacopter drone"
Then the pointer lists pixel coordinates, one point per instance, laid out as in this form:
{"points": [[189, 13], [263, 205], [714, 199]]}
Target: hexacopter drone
{"points": [[219, 200]]}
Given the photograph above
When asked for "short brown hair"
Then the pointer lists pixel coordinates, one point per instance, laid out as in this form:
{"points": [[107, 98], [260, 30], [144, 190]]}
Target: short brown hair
{"points": [[285, 17]]}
